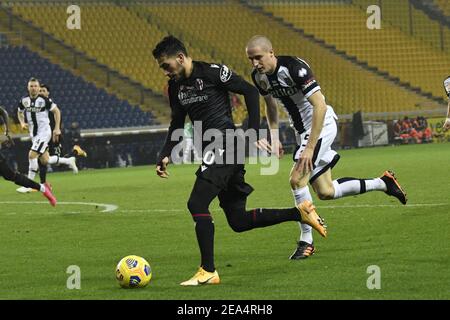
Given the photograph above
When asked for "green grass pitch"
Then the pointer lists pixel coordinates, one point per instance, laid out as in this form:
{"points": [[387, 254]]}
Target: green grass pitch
{"points": [[410, 244]]}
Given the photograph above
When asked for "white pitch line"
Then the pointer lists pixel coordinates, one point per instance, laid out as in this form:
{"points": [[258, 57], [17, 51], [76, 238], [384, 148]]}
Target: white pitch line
{"points": [[107, 207], [318, 207]]}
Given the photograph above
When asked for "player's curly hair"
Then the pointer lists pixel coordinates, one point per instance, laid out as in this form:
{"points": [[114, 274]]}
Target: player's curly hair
{"points": [[169, 46]]}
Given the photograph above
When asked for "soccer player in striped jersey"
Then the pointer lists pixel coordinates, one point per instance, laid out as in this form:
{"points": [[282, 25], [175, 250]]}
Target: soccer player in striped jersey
{"points": [[33, 114], [14, 176], [447, 90], [291, 81]]}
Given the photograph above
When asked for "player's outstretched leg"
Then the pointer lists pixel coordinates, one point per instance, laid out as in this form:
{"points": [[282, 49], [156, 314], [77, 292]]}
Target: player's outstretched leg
{"points": [[25, 182], [70, 162], [327, 189], [309, 216], [48, 193], [393, 188], [77, 151]]}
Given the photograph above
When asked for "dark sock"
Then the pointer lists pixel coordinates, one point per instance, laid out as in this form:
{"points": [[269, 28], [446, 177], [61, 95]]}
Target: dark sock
{"points": [[23, 181], [204, 229], [267, 217], [42, 172]]}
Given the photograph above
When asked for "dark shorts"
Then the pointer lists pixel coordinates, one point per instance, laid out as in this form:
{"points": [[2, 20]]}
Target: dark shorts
{"points": [[229, 178], [54, 149]]}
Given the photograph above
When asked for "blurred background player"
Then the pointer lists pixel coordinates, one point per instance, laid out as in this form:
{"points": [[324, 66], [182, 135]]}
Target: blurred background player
{"points": [[55, 148], [33, 113], [447, 90], [291, 81], [189, 147], [14, 176]]}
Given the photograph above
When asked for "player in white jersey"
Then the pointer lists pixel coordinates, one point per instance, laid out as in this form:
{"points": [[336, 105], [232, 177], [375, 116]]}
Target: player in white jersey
{"points": [[447, 90], [291, 81], [33, 115]]}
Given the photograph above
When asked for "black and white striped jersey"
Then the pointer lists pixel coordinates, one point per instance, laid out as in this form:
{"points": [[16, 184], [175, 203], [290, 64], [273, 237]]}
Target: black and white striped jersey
{"points": [[36, 112], [292, 83]]}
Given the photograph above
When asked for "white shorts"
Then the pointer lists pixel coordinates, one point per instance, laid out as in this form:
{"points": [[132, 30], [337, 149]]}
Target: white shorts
{"points": [[40, 142], [324, 157]]}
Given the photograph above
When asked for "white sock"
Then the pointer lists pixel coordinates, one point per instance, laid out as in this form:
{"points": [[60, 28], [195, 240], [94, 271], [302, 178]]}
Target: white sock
{"points": [[58, 160], [42, 189], [33, 168], [301, 195], [375, 185], [351, 186], [53, 160], [65, 161]]}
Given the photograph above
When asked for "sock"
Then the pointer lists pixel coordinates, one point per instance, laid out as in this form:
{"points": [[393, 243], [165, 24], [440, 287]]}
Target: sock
{"points": [[204, 229], [42, 189], [42, 172], [23, 181], [351, 186], [53, 160], [65, 161], [58, 160], [33, 168], [268, 217], [301, 195]]}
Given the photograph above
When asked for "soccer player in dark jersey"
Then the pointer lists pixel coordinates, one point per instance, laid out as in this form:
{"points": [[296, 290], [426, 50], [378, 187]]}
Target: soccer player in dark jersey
{"points": [[14, 176], [55, 148], [201, 91], [290, 80], [447, 91]]}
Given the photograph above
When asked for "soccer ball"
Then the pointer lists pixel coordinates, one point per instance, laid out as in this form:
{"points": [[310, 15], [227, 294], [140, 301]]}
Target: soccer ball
{"points": [[133, 272]]}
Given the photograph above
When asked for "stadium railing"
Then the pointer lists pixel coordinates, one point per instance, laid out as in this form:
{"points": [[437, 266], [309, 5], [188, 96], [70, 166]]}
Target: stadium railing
{"points": [[84, 66]]}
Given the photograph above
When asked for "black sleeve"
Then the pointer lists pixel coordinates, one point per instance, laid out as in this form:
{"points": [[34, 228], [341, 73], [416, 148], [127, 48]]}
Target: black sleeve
{"points": [[3, 116], [447, 86], [49, 103], [20, 106], [228, 80], [303, 77], [178, 116]]}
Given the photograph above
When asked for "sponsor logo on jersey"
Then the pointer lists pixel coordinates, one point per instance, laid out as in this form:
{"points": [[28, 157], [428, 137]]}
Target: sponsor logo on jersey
{"points": [[225, 73], [40, 103], [188, 95], [199, 84], [302, 72], [283, 92]]}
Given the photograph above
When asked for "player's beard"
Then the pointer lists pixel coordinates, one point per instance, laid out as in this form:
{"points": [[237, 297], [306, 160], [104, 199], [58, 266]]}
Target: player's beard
{"points": [[181, 74]]}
